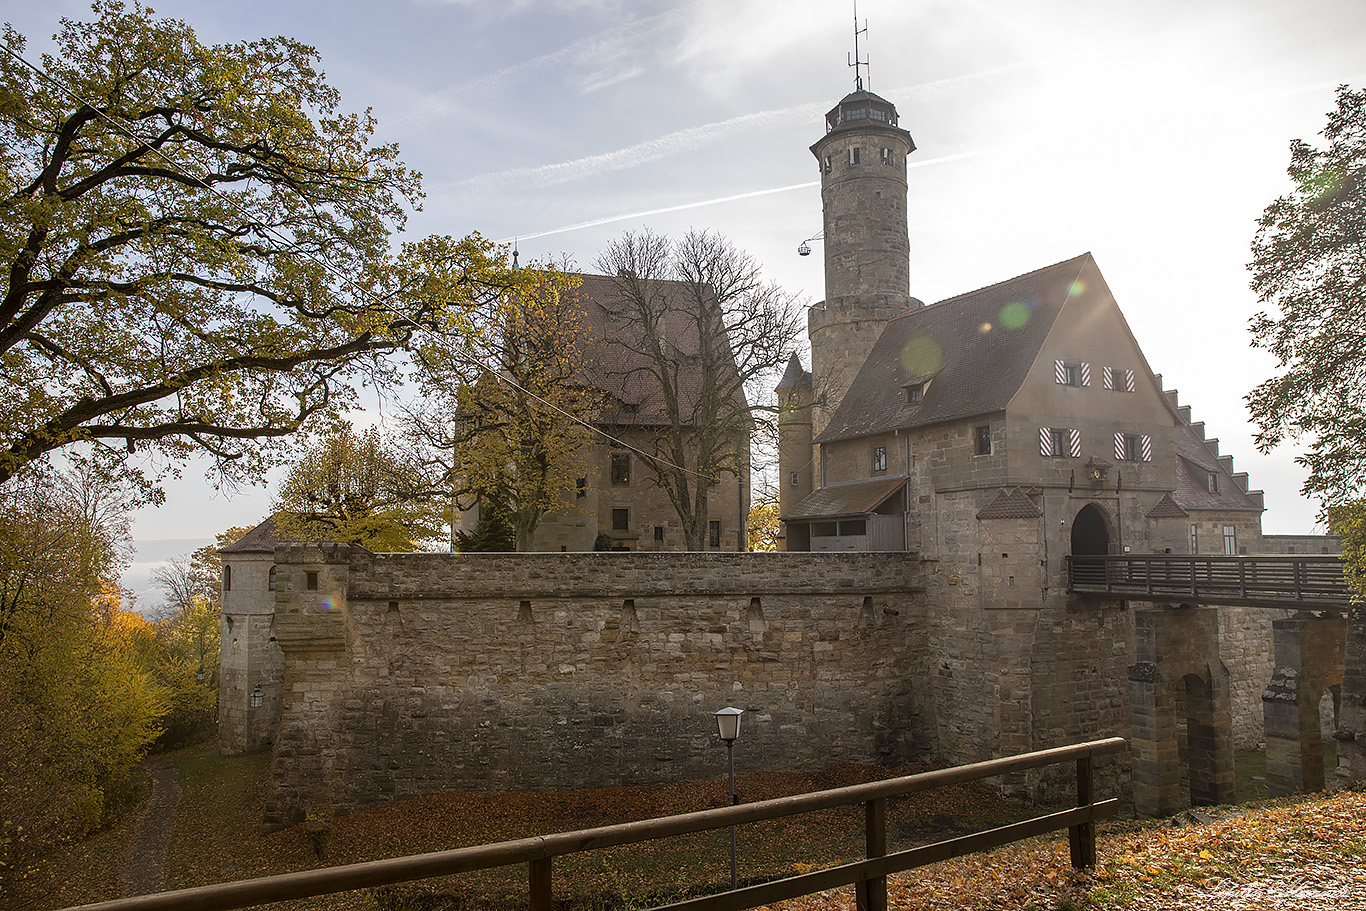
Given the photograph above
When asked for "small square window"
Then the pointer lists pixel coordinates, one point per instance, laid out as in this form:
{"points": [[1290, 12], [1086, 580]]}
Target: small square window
{"points": [[915, 393], [714, 533], [982, 439], [796, 479], [659, 532], [879, 458], [621, 468], [311, 580], [621, 520]]}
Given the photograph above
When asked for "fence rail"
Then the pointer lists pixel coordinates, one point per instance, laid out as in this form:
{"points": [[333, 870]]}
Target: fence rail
{"points": [[869, 876], [1254, 581]]}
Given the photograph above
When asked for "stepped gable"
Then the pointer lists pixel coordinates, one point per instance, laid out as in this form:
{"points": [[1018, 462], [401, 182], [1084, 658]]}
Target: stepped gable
{"points": [[1012, 504], [975, 350], [1166, 508], [1196, 459]]}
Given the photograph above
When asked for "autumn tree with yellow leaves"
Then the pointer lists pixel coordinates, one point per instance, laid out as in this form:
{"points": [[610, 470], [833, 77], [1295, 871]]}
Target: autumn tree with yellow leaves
{"points": [[199, 248]]}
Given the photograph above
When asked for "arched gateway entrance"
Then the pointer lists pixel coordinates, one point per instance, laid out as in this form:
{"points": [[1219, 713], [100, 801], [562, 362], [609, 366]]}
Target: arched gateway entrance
{"points": [[1090, 538]]}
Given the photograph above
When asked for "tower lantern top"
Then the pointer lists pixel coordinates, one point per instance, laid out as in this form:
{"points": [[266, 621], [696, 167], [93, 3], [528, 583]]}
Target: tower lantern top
{"points": [[861, 109]]}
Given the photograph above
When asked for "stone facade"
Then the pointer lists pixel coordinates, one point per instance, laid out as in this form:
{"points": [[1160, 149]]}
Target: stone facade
{"points": [[407, 674], [250, 658]]}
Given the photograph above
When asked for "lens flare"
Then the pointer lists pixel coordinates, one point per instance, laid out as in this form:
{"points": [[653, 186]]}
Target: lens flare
{"points": [[1076, 289], [326, 604], [984, 328], [1014, 315], [922, 355]]}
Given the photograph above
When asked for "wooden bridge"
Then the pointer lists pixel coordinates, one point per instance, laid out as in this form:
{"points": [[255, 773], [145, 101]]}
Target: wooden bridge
{"points": [[1303, 582]]}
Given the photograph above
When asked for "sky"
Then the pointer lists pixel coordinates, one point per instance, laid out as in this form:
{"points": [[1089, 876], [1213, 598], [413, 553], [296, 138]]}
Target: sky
{"points": [[1151, 133]]}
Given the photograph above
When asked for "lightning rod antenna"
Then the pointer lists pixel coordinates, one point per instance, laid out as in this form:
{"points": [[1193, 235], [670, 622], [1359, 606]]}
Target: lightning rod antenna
{"points": [[857, 62]]}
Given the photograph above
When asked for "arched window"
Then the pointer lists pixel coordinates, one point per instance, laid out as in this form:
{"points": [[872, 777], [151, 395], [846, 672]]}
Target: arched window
{"points": [[227, 578], [270, 580]]}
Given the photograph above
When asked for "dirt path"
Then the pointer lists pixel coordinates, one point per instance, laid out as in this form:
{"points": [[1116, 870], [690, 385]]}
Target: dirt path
{"points": [[144, 872]]}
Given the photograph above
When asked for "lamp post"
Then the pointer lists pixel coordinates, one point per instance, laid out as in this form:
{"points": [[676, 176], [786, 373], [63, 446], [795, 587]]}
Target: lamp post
{"points": [[728, 726]]}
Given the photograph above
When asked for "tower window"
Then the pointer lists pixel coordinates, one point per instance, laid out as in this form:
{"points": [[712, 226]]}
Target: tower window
{"points": [[796, 479], [853, 155], [311, 580], [827, 164], [227, 578], [621, 468], [886, 156], [982, 437]]}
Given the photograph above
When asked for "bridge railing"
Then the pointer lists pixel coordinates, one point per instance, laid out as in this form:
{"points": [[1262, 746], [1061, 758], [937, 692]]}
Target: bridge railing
{"points": [[869, 876], [1262, 578]]}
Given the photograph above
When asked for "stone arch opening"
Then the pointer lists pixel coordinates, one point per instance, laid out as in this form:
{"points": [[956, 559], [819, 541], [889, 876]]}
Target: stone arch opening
{"points": [[1203, 762], [1090, 538]]}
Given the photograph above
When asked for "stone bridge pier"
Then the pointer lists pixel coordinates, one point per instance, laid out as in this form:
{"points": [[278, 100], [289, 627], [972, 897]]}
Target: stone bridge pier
{"points": [[1178, 677], [1309, 662]]}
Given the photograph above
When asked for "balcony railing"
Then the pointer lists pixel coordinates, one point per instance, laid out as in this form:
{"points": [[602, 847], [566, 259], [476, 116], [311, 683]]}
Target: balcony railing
{"points": [[1265, 581]]}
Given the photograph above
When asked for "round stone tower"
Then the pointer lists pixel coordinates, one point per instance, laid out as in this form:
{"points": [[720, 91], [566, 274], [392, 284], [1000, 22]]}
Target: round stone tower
{"points": [[862, 160]]}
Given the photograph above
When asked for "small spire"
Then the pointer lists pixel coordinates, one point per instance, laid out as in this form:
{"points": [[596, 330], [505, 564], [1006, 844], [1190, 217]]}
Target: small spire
{"points": [[514, 254]]}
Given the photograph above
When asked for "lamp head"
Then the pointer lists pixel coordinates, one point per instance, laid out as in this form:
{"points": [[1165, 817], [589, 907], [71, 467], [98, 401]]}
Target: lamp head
{"points": [[728, 723]]}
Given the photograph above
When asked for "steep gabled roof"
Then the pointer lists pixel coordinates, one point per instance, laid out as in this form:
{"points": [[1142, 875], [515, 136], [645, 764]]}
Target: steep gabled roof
{"points": [[1167, 508], [1012, 504], [975, 349]]}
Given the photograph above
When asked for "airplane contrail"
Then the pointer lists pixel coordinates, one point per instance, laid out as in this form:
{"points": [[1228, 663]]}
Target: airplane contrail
{"points": [[608, 219]]}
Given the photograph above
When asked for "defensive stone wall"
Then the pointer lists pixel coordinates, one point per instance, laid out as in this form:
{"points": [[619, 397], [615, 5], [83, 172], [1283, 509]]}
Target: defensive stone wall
{"points": [[408, 674]]}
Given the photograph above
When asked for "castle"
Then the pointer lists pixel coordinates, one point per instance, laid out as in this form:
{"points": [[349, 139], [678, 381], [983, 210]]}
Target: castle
{"points": [[939, 464]]}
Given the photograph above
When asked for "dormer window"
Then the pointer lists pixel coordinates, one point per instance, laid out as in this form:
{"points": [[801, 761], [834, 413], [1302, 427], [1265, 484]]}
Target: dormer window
{"points": [[1212, 481], [915, 393]]}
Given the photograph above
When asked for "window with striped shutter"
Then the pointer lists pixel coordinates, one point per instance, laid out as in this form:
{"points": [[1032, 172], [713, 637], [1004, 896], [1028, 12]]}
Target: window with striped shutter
{"points": [[1118, 379], [1133, 447], [1059, 442], [1069, 373]]}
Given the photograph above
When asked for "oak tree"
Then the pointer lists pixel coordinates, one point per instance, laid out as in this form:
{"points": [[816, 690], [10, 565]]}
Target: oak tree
{"points": [[702, 330], [1309, 264], [197, 244]]}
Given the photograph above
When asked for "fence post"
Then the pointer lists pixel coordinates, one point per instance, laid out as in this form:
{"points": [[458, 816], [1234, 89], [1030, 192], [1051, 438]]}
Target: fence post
{"points": [[871, 894], [539, 876], [1082, 838]]}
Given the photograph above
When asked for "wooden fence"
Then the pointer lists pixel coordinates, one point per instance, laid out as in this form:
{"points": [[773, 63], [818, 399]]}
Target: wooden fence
{"points": [[868, 876]]}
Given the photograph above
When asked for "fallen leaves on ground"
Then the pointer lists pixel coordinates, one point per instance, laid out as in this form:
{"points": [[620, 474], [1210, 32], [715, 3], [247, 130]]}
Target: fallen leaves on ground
{"points": [[1300, 855]]}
